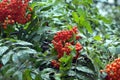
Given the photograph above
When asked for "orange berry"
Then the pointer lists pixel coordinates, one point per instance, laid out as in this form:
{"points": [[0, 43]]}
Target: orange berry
{"points": [[12, 21], [8, 21], [9, 16], [30, 9], [113, 70], [5, 21], [29, 15]]}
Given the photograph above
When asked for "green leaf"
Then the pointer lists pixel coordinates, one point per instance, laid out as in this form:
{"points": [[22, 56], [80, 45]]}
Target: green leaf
{"points": [[83, 76], [82, 20], [26, 75], [22, 43], [105, 20], [65, 58], [45, 73], [45, 8], [65, 63], [98, 62], [37, 4], [90, 1], [57, 77], [112, 49], [75, 17], [15, 58], [10, 71], [30, 28], [118, 50], [98, 38], [37, 77], [6, 57], [84, 23], [3, 49], [71, 73], [81, 12], [84, 69], [27, 50], [88, 26], [18, 75]]}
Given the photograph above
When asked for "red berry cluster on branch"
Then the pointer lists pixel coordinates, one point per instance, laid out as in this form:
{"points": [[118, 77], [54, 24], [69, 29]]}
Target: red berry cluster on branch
{"points": [[113, 70], [62, 43], [12, 11]]}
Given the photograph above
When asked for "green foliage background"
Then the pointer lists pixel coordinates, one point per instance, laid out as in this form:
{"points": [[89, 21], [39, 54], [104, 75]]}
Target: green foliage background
{"points": [[26, 50]]}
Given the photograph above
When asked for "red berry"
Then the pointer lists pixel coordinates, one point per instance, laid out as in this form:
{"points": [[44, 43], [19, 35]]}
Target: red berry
{"points": [[14, 10], [113, 70], [1, 65], [55, 64]]}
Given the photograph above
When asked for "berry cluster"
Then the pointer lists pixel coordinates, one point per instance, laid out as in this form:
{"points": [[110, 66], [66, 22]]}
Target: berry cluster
{"points": [[113, 70], [12, 11], [62, 43], [55, 64], [65, 35]]}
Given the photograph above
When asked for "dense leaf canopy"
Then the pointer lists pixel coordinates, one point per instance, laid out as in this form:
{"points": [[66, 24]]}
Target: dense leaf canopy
{"points": [[59, 39]]}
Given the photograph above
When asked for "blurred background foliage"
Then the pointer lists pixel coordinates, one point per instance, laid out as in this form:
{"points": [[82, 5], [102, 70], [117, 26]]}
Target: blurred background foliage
{"points": [[25, 49]]}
